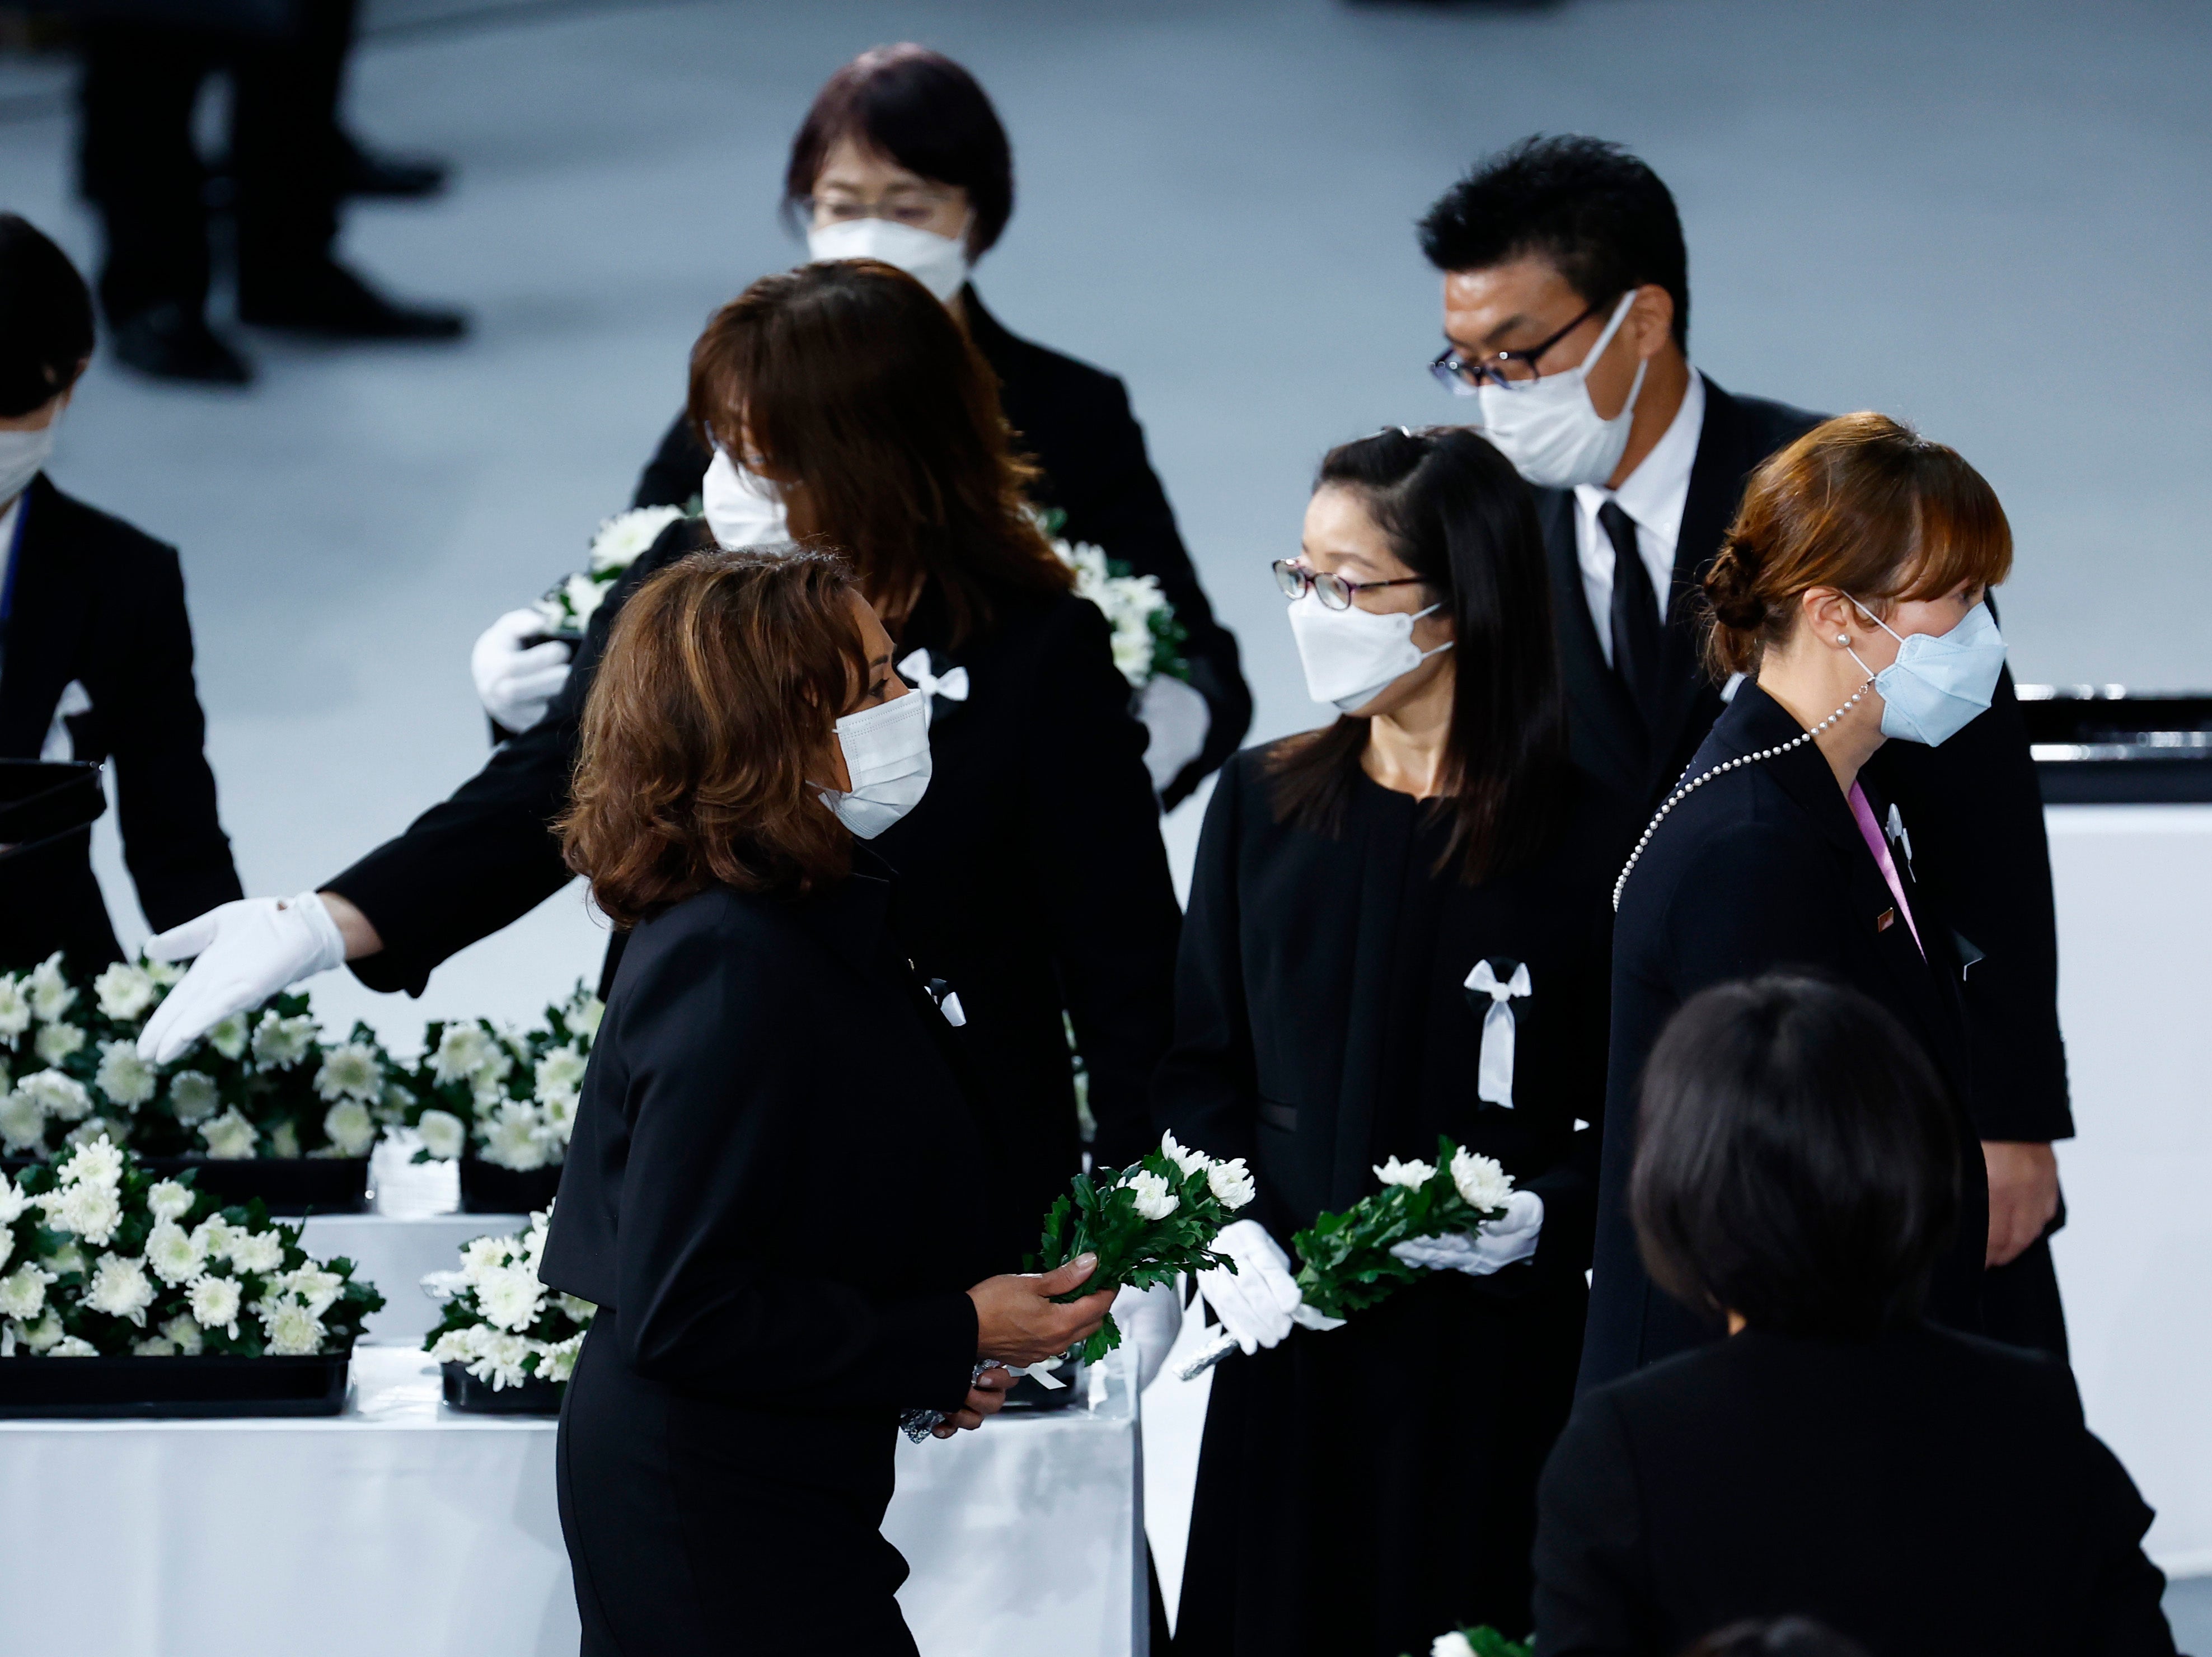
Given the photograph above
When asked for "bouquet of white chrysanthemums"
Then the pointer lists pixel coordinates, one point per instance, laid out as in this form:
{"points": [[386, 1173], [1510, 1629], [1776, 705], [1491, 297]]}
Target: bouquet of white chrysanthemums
{"points": [[98, 1258], [512, 1096], [261, 1083], [1148, 639], [501, 1324], [621, 539]]}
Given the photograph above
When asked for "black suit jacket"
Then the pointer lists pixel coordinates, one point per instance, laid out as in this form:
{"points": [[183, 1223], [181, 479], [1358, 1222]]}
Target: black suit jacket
{"points": [[1974, 808], [1928, 1494], [1033, 875], [1074, 421], [98, 602], [1763, 868]]}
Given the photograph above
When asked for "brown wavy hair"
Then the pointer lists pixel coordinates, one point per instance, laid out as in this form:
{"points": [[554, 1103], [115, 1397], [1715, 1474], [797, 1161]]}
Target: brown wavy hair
{"points": [[1862, 504], [722, 679], [860, 394]]}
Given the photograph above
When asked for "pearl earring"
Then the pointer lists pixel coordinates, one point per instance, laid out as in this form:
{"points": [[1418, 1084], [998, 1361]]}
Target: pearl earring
{"points": [[1842, 639]]}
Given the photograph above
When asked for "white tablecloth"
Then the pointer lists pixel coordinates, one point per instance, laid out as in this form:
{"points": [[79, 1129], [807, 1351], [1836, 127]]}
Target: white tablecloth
{"points": [[403, 1527]]}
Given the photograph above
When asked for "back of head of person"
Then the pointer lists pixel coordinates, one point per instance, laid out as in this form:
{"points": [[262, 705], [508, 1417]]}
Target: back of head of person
{"points": [[1432, 527], [1796, 1167], [711, 731], [45, 344], [860, 399], [1563, 259]]}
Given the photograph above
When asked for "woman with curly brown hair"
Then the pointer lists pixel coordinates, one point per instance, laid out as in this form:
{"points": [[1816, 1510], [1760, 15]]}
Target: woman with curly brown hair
{"points": [[769, 1066], [1849, 594]]}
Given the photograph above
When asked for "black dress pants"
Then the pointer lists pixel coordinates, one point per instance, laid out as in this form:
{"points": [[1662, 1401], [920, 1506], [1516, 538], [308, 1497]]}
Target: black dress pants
{"points": [[140, 166]]}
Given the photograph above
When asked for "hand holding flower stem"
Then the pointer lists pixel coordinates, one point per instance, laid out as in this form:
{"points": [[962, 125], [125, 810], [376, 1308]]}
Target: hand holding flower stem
{"points": [[1024, 1320]]}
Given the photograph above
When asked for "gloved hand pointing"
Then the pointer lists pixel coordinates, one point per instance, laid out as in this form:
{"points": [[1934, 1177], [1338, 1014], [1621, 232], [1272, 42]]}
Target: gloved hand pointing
{"points": [[517, 685], [1492, 1246], [247, 951]]}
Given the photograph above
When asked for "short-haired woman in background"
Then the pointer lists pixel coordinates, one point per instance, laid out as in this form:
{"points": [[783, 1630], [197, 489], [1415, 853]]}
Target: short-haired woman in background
{"points": [[1397, 929], [1926, 1493], [1850, 591], [774, 1195]]}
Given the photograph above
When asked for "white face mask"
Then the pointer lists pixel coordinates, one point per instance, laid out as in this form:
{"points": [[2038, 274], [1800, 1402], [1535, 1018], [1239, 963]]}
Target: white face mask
{"points": [[1940, 681], [23, 455], [1351, 656], [743, 508], [887, 755], [1549, 427], [938, 263]]}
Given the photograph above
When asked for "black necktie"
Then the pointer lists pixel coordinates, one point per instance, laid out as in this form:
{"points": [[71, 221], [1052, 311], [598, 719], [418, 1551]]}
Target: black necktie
{"points": [[1636, 632]]}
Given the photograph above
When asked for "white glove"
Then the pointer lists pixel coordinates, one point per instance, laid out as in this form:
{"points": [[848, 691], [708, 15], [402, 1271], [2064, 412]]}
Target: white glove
{"points": [[1178, 719], [1151, 1319], [516, 686], [248, 951], [1492, 1246], [1256, 1301]]}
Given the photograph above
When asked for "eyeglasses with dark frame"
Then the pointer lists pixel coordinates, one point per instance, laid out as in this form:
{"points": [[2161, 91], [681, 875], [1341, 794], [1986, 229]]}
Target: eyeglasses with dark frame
{"points": [[1462, 378], [1334, 591]]}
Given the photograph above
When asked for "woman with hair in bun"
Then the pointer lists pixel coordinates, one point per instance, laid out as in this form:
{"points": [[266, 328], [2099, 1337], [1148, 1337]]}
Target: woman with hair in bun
{"points": [[1848, 594], [1397, 930]]}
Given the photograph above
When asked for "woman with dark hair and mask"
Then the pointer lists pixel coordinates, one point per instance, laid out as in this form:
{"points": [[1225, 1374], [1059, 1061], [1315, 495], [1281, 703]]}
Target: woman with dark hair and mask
{"points": [[1397, 930], [902, 158]]}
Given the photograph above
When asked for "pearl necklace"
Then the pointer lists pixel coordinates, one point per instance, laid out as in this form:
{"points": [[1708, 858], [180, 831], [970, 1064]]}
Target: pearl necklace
{"points": [[1691, 787]]}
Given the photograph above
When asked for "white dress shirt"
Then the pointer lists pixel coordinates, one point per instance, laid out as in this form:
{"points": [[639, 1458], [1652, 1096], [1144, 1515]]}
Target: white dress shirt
{"points": [[1653, 496]]}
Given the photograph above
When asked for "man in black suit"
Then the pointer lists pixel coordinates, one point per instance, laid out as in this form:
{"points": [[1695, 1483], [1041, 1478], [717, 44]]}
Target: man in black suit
{"points": [[95, 647], [1566, 321]]}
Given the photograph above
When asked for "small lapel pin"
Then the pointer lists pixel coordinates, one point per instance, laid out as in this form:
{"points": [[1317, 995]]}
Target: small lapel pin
{"points": [[1885, 920]]}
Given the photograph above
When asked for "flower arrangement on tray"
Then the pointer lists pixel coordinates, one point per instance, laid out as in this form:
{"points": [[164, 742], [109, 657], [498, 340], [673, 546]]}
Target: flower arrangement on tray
{"points": [[503, 1327], [1344, 1262], [571, 604], [484, 1093], [100, 1258]]}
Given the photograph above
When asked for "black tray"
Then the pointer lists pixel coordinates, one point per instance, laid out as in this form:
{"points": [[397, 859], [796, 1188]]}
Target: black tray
{"points": [[466, 1393], [123, 1389], [487, 1188], [291, 1187], [2106, 745], [42, 800]]}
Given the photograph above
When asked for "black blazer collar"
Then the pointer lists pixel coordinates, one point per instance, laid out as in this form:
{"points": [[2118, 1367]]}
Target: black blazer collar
{"points": [[54, 581]]}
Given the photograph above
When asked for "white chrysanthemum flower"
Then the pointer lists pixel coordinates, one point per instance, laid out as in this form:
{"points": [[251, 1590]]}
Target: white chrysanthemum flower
{"points": [[464, 1052], [622, 538], [125, 991], [535, 1238], [480, 1256], [459, 1345], [516, 1138], [215, 1303], [62, 1096], [280, 1043], [1454, 1644], [351, 1128], [91, 1211], [284, 1140], [317, 1289], [257, 1250], [445, 1135], [12, 1201], [582, 1014], [125, 1077], [1231, 1184], [44, 1334], [120, 1288], [169, 1199], [1187, 1160], [1481, 1181], [560, 1076], [174, 1254], [55, 1043], [583, 595], [154, 1346], [351, 1070], [23, 1292], [581, 1311], [14, 1009], [22, 1122], [1412, 1175], [163, 975], [116, 1129], [229, 1037], [230, 1137], [561, 1121], [73, 1346], [51, 992], [1154, 1200], [214, 1235], [556, 1360], [511, 1297], [193, 1096], [184, 1334], [67, 1259], [500, 1358], [294, 1332]]}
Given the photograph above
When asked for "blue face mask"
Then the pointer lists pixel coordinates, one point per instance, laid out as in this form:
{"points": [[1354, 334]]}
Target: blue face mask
{"points": [[1940, 681]]}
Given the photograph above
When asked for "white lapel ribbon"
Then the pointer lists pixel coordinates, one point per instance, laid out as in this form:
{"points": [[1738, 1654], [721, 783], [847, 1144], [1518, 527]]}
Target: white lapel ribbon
{"points": [[1494, 1074], [1899, 836], [951, 684]]}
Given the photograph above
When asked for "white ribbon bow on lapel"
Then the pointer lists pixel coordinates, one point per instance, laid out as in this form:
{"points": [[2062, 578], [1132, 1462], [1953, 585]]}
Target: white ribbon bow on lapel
{"points": [[1494, 1074], [951, 684], [1899, 836]]}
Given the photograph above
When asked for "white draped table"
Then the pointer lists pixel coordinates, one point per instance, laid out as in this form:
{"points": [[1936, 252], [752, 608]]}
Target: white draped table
{"points": [[401, 1527]]}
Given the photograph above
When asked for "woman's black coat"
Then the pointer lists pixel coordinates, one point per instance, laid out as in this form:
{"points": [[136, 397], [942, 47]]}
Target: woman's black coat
{"points": [[99, 604], [1763, 868], [1074, 421], [1927, 1494], [775, 1196], [1032, 874]]}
